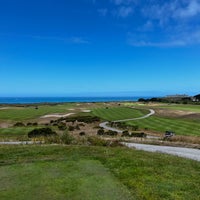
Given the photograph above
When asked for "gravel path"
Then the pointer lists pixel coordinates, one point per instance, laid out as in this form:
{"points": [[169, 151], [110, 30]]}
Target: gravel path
{"points": [[193, 154], [20, 143]]}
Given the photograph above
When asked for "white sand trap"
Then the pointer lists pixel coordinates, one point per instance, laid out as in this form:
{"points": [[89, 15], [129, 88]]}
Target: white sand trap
{"points": [[57, 115], [4, 108], [86, 111], [71, 109]]}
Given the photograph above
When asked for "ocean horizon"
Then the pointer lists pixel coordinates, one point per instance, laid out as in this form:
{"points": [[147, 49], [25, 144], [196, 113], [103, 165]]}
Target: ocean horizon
{"points": [[32, 100]]}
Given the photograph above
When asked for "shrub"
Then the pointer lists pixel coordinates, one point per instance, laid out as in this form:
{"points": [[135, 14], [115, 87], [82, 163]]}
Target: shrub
{"points": [[85, 119], [100, 131], [66, 138], [71, 128], [19, 124], [96, 141], [111, 133], [135, 128], [62, 126], [82, 133], [125, 133], [41, 132], [141, 135]]}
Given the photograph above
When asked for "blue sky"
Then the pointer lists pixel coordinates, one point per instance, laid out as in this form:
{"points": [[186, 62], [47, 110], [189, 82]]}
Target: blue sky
{"points": [[99, 47]]}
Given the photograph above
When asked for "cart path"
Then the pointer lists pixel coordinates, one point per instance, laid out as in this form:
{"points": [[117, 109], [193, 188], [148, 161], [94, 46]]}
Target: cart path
{"points": [[105, 124], [189, 153]]}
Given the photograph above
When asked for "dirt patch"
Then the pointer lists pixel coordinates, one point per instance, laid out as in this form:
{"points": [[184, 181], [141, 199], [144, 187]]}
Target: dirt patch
{"points": [[5, 125]]}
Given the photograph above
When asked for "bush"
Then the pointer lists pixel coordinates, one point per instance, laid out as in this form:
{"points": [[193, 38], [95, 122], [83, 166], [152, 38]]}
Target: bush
{"points": [[41, 132], [125, 134], [100, 131], [96, 141], [71, 128], [141, 135], [62, 126], [111, 133], [19, 124], [135, 128], [82, 133], [85, 119], [66, 138]]}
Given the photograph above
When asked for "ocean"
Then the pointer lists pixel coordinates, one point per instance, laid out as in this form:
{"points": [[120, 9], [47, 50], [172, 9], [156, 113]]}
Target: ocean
{"points": [[31, 100]]}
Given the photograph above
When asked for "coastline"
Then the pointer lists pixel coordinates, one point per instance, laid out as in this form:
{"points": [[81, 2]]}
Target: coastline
{"points": [[60, 100]]}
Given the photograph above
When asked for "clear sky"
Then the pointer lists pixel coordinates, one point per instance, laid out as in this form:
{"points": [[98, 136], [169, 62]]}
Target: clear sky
{"points": [[99, 47]]}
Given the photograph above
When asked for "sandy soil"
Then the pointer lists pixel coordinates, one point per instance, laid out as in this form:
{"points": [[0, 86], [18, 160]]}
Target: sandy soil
{"points": [[57, 115], [4, 108], [86, 111]]}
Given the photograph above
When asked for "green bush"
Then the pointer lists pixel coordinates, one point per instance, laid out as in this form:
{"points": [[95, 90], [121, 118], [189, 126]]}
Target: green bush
{"points": [[19, 124], [111, 133], [141, 135], [125, 134], [41, 132], [101, 132], [96, 141], [66, 138]]}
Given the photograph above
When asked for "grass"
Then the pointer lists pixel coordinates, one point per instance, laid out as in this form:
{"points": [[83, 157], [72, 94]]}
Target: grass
{"points": [[190, 108], [118, 113], [60, 172], [161, 124], [27, 113], [15, 132]]}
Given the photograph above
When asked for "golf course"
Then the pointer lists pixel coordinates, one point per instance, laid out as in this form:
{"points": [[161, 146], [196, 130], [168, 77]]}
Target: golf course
{"points": [[78, 163]]}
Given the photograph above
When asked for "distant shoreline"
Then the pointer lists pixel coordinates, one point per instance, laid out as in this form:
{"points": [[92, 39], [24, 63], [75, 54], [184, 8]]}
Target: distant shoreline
{"points": [[57, 100]]}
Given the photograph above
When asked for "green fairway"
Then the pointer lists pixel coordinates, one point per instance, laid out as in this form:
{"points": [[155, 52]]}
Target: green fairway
{"points": [[58, 172], [161, 124], [118, 113], [26, 113]]}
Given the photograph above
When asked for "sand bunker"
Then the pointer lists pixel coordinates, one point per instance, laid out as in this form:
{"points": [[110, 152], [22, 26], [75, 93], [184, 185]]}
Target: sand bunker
{"points": [[4, 108], [86, 111], [71, 109], [57, 115]]}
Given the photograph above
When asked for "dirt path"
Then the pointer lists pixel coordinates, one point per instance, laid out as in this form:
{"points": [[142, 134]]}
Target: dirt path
{"points": [[193, 154]]}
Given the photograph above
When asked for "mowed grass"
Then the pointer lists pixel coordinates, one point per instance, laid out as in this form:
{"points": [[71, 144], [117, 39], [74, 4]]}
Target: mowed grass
{"points": [[58, 172], [26, 113], [162, 124], [118, 113]]}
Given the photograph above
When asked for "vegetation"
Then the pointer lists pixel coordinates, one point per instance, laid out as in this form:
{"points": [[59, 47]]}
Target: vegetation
{"points": [[58, 172], [41, 132], [118, 113], [26, 113], [161, 124]]}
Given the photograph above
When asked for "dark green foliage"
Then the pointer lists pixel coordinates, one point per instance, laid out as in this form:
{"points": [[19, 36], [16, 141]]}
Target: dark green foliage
{"points": [[19, 124], [71, 128], [141, 135], [135, 127], [62, 126], [85, 119], [41, 132], [66, 138], [125, 133], [111, 133], [101, 132], [82, 133]]}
